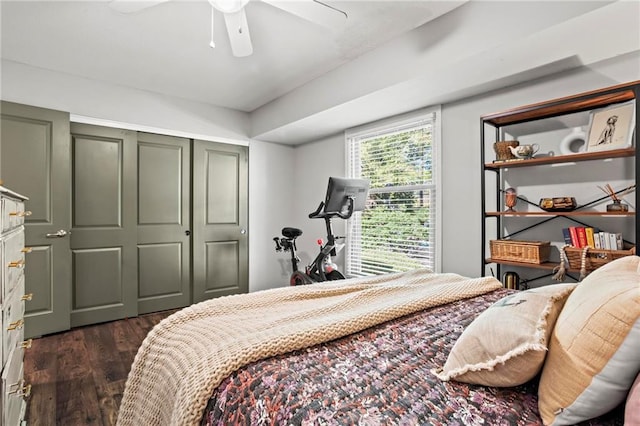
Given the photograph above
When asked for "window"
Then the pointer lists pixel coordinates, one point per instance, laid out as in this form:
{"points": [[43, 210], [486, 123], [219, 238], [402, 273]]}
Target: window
{"points": [[397, 230]]}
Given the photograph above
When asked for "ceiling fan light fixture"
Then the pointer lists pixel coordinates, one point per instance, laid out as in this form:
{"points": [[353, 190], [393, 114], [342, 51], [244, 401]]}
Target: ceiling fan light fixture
{"points": [[228, 6]]}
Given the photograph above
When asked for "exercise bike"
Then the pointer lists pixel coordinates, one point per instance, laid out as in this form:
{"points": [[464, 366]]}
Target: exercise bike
{"points": [[344, 197]]}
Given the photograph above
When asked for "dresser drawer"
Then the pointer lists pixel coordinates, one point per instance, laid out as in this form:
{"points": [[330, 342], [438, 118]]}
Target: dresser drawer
{"points": [[13, 320], [13, 260], [8, 205], [14, 389], [13, 213]]}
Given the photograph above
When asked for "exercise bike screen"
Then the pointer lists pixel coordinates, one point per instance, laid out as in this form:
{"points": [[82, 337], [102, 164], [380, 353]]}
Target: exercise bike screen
{"points": [[338, 191]]}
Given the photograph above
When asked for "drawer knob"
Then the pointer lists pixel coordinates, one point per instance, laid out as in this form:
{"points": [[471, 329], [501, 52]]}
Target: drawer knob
{"points": [[17, 264], [27, 250], [16, 325], [26, 344], [21, 389], [20, 214], [27, 297]]}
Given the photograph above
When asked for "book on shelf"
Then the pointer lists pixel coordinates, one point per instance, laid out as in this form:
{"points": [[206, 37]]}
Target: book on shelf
{"points": [[582, 236], [575, 241], [577, 236], [590, 240], [619, 241], [596, 239], [586, 236], [604, 241]]}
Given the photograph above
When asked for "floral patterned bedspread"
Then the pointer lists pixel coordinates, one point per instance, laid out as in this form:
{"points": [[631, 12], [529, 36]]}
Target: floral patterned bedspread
{"points": [[380, 376]]}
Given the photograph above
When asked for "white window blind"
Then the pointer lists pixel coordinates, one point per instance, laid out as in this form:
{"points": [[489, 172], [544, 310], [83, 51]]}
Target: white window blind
{"points": [[397, 230]]}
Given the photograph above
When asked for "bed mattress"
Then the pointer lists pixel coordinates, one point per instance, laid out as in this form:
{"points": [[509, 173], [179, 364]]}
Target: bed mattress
{"points": [[380, 376]]}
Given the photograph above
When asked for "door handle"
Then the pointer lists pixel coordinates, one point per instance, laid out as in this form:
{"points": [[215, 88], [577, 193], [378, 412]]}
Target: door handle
{"points": [[60, 234]]}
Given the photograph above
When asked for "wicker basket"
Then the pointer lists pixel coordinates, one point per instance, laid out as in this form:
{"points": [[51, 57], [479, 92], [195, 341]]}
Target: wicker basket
{"points": [[520, 251], [503, 153], [595, 258]]}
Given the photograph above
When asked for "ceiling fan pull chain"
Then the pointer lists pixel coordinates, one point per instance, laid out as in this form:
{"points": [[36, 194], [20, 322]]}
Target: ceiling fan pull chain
{"points": [[212, 44]]}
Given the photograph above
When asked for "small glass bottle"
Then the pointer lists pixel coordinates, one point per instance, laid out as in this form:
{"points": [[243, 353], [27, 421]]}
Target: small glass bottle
{"points": [[617, 206]]}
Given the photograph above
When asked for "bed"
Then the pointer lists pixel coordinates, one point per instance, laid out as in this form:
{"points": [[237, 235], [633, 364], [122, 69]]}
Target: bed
{"points": [[362, 351]]}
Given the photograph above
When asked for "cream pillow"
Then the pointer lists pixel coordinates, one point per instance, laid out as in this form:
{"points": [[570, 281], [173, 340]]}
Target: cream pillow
{"points": [[594, 351], [506, 344]]}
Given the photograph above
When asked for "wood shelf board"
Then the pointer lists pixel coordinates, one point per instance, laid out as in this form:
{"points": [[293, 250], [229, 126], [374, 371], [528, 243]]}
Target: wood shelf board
{"points": [[551, 214], [546, 265], [570, 104], [573, 158]]}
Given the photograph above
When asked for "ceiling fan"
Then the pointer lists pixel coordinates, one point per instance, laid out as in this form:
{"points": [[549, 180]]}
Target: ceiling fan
{"points": [[317, 11]]}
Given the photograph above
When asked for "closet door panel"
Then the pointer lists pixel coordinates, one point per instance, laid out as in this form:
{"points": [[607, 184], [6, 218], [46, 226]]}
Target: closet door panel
{"points": [[223, 261], [103, 238], [223, 174], [97, 182], [97, 278], [220, 217], [35, 161], [164, 280], [161, 270], [28, 145], [160, 169]]}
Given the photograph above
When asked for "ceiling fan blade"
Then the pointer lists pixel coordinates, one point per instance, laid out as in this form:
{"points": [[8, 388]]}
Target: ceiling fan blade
{"points": [[319, 12], [238, 30], [132, 6]]}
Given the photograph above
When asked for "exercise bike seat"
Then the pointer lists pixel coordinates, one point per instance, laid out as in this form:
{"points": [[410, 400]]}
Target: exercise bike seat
{"points": [[291, 232]]}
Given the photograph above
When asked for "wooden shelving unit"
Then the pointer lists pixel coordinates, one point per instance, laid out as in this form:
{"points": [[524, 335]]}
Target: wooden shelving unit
{"points": [[583, 102]]}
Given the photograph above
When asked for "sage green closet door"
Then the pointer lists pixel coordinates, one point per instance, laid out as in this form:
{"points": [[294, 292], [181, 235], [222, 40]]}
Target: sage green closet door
{"points": [[220, 218], [163, 222], [104, 234], [35, 161]]}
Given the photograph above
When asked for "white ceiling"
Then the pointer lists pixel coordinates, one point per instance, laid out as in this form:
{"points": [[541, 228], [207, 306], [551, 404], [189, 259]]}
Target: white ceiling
{"points": [[165, 48], [304, 81]]}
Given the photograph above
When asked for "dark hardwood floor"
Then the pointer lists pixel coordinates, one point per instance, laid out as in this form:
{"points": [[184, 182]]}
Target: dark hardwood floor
{"points": [[78, 377]]}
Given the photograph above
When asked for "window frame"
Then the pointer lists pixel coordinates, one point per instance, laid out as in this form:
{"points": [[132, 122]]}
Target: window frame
{"points": [[387, 125]]}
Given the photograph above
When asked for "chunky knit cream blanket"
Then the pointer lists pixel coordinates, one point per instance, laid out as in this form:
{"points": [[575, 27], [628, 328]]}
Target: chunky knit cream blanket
{"points": [[189, 353]]}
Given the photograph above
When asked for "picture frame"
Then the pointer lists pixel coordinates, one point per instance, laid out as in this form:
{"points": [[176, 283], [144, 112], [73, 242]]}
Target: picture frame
{"points": [[611, 127]]}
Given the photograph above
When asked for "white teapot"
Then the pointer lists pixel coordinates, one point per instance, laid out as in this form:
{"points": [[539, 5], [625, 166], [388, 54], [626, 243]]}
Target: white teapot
{"points": [[524, 151]]}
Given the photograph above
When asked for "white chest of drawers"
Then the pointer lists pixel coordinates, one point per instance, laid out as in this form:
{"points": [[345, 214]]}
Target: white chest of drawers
{"points": [[12, 299]]}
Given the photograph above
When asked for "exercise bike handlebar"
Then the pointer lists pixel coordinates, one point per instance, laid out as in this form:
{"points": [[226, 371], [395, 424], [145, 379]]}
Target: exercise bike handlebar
{"points": [[317, 215]]}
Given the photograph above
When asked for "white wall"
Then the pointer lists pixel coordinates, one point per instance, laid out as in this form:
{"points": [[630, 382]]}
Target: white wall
{"points": [[314, 163], [272, 186], [137, 108], [461, 153], [461, 173]]}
